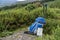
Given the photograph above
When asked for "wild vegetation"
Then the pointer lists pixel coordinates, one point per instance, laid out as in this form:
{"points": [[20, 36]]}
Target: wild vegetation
{"points": [[12, 19], [54, 4]]}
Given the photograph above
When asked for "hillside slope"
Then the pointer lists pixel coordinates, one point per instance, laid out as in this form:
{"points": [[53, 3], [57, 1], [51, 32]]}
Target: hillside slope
{"points": [[12, 19], [54, 4]]}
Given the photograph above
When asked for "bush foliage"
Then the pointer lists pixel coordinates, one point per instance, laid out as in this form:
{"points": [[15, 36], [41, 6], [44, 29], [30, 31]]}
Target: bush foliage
{"points": [[12, 19], [54, 4]]}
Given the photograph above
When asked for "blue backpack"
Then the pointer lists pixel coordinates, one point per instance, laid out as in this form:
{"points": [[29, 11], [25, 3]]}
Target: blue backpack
{"points": [[37, 24]]}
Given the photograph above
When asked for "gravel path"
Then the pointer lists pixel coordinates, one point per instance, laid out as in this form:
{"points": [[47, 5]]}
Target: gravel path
{"points": [[19, 36]]}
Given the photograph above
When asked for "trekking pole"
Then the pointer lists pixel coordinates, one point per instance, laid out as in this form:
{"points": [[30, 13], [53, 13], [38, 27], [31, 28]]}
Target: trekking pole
{"points": [[44, 9]]}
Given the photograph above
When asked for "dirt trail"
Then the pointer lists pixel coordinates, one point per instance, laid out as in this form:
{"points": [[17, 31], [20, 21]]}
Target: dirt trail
{"points": [[19, 36]]}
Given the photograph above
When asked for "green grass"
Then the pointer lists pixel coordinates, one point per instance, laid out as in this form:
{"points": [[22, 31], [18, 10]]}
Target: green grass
{"points": [[12, 19], [8, 33], [55, 36], [53, 19], [54, 4]]}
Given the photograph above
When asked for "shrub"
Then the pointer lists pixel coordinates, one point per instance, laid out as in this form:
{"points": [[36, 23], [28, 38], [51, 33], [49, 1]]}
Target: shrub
{"points": [[51, 25], [57, 33], [13, 18], [54, 4]]}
